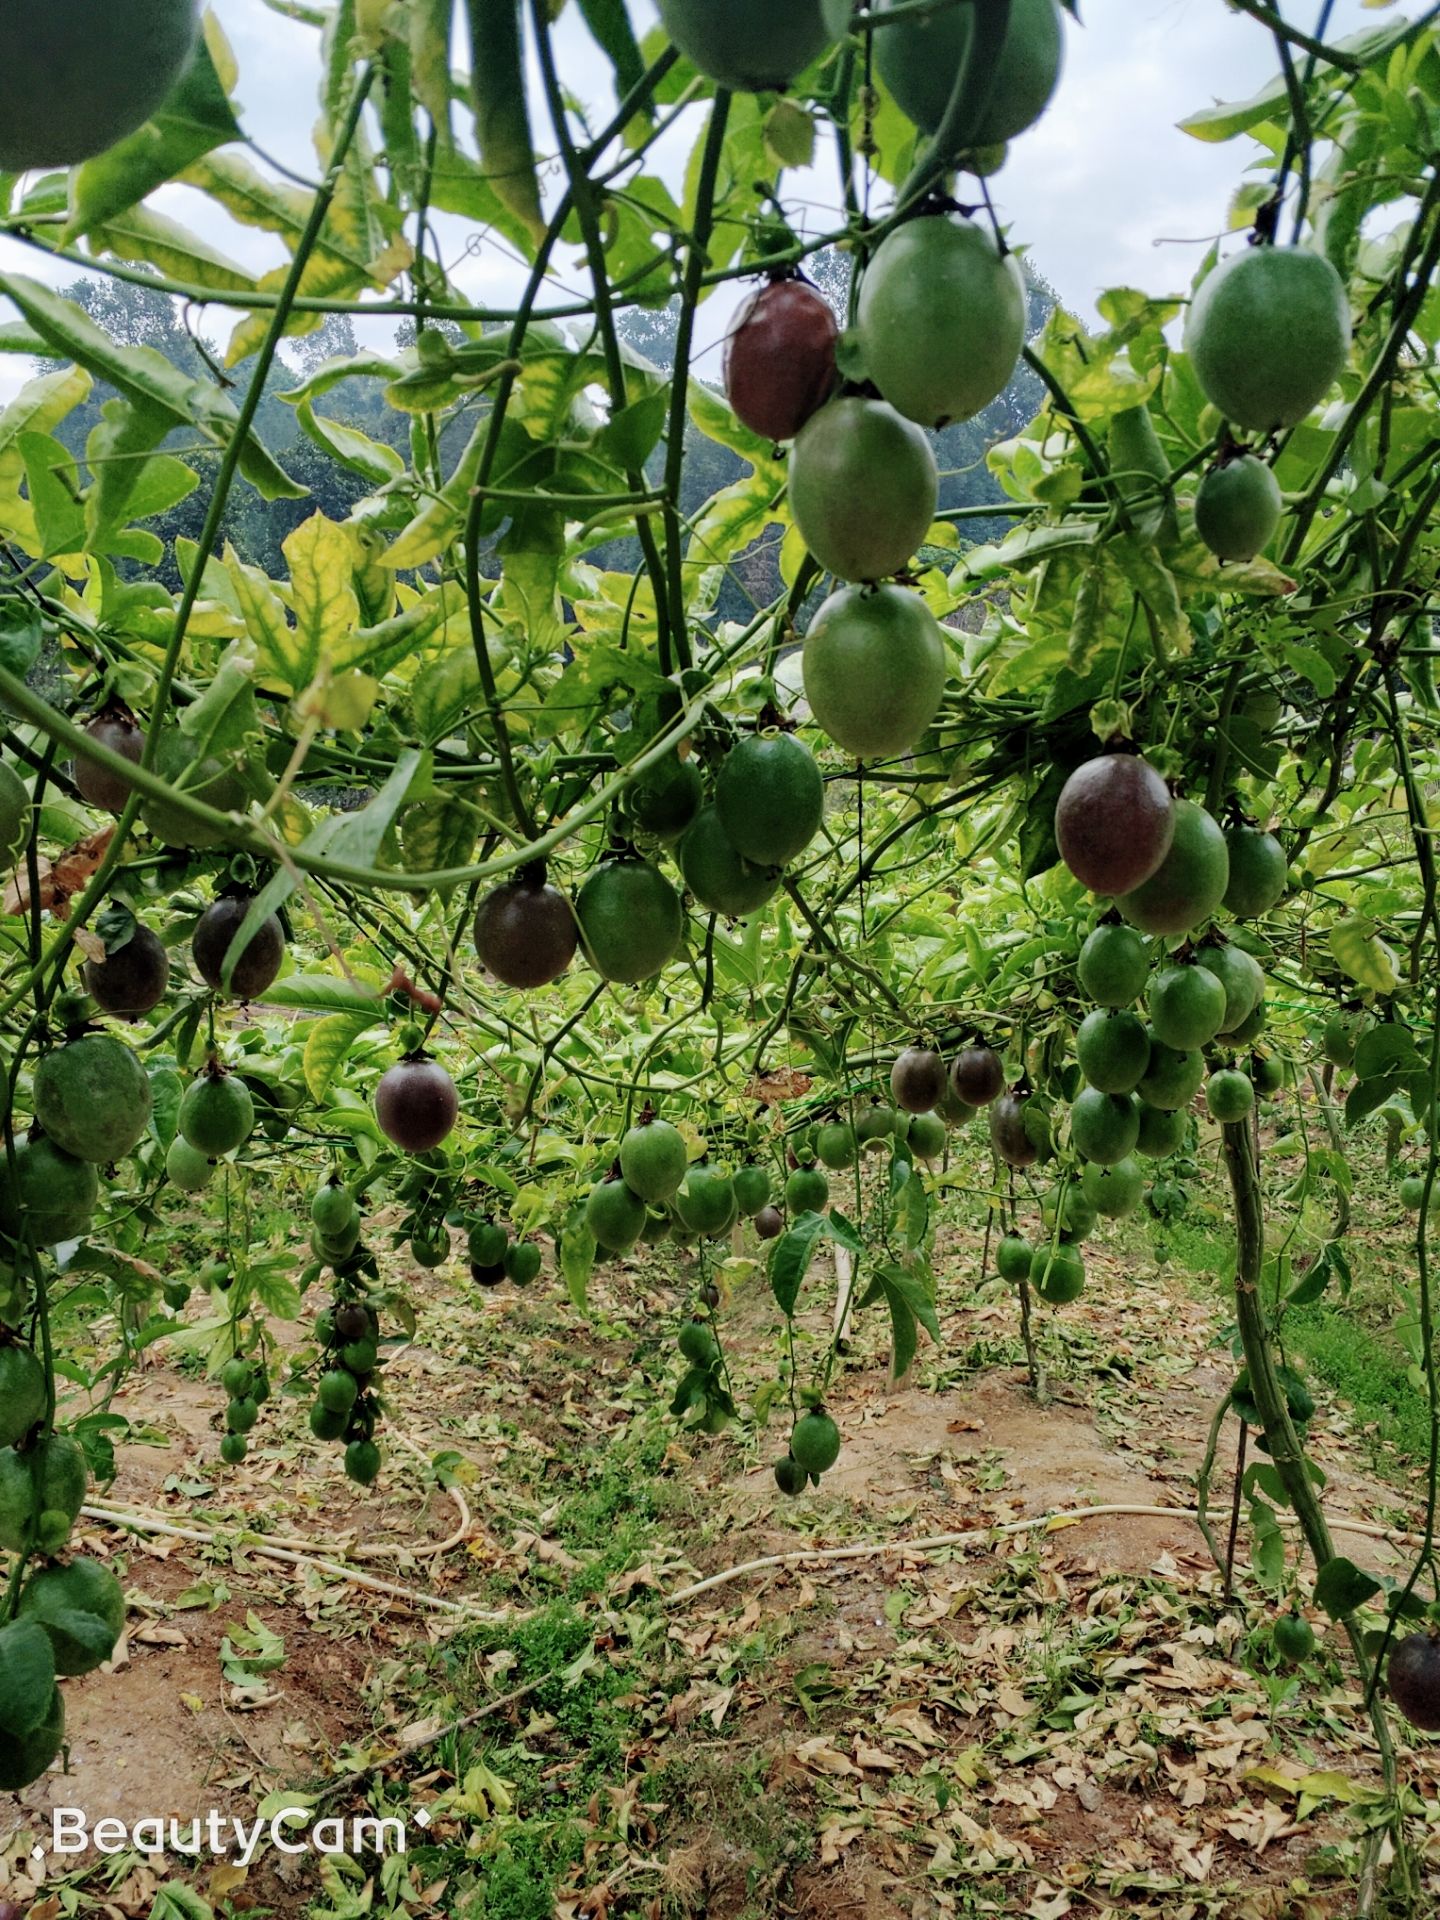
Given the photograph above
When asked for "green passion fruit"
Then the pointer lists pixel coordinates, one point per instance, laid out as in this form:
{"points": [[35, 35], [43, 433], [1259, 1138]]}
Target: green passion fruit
{"points": [[1259, 872], [874, 667], [1268, 334], [22, 1393], [1114, 822], [1058, 1274], [706, 1201], [1293, 1637], [76, 76], [186, 1167], [523, 1261], [92, 1097], [1114, 1191], [525, 931], [615, 1216], [81, 1607], [770, 796], [664, 800], [1238, 508], [1014, 1258], [654, 1160], [863, 488], [1242, 977], [718, 874], [1173, 1077], [54, 1194], [1189, 883], [747, 46], [920, 61], [807, 1191], [131, 979], [259, 960], [217, 1113], [1113, 1049], [1341, 1037], [752, 1190], [631, 920], [214, 781], [1187, 1006], [1104, 1126], [815, 1442], [941, 318], [836, 1146], [1067, 1212], [780, 358], [1230, 1095], [1114, 965], [926, 1138], [1162, 1131]]}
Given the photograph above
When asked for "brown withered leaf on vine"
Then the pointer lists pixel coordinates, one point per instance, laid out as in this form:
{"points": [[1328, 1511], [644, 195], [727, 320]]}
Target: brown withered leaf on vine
{"points": [[61, 879]]}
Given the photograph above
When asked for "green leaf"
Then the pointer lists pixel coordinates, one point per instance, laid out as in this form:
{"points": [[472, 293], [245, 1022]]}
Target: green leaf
{"points": [[1362, 954], [22, 634], [609, 23], [789, 134], [146, 378], [790, 1259], [1386, 1049], [196, 117], [327, 1045], [321, 993], [577, 1259], [1341, 1587], [502, 118], [371, 459]]}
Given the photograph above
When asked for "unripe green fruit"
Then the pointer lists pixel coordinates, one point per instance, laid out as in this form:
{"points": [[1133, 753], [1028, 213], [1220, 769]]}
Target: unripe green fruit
{"points": [[836, 1146], [815, 1442], [326, 1424], [698, 1344], [1013, 1259], [82, 1608], [217, 1114], [186, 1167], [921, 60], [233, 1448], [874, 666], [1058, 1274], [1114, 966], [241, 1415], [1238, 508], [748, 46], [93, 1097], [1187, 1006], [1113, 1049], [236, 1377], [337, 1391], [720, 877], [1259, 872], [863, 488], [941, 318], [752, 1190], [615, 1216], [1294, 1638], [1190, 882], [359, 1357], [54, 1194], [631, 920], [1268, 335], [653, 1160], [486, 1243], [1162, 1131], [333, 1209], [22, 1393], [706, 1201], [1229, 1096], [770, 797], [1114, 1191], [926, 1138], [1104, 1126], [1173, 1077], [362, 1462], [807, 1191], [523, 1261]]}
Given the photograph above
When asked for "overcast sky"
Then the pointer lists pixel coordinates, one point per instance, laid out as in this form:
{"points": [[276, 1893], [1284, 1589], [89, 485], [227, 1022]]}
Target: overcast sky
{"points": [[1104, 191]]}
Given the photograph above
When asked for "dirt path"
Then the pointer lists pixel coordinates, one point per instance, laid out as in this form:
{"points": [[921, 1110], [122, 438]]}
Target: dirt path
{"points": [[1052, 1722]]}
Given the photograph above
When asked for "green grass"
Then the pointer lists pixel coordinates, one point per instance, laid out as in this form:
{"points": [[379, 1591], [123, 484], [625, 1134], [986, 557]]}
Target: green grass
{"points": [[1340, 1341]]}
